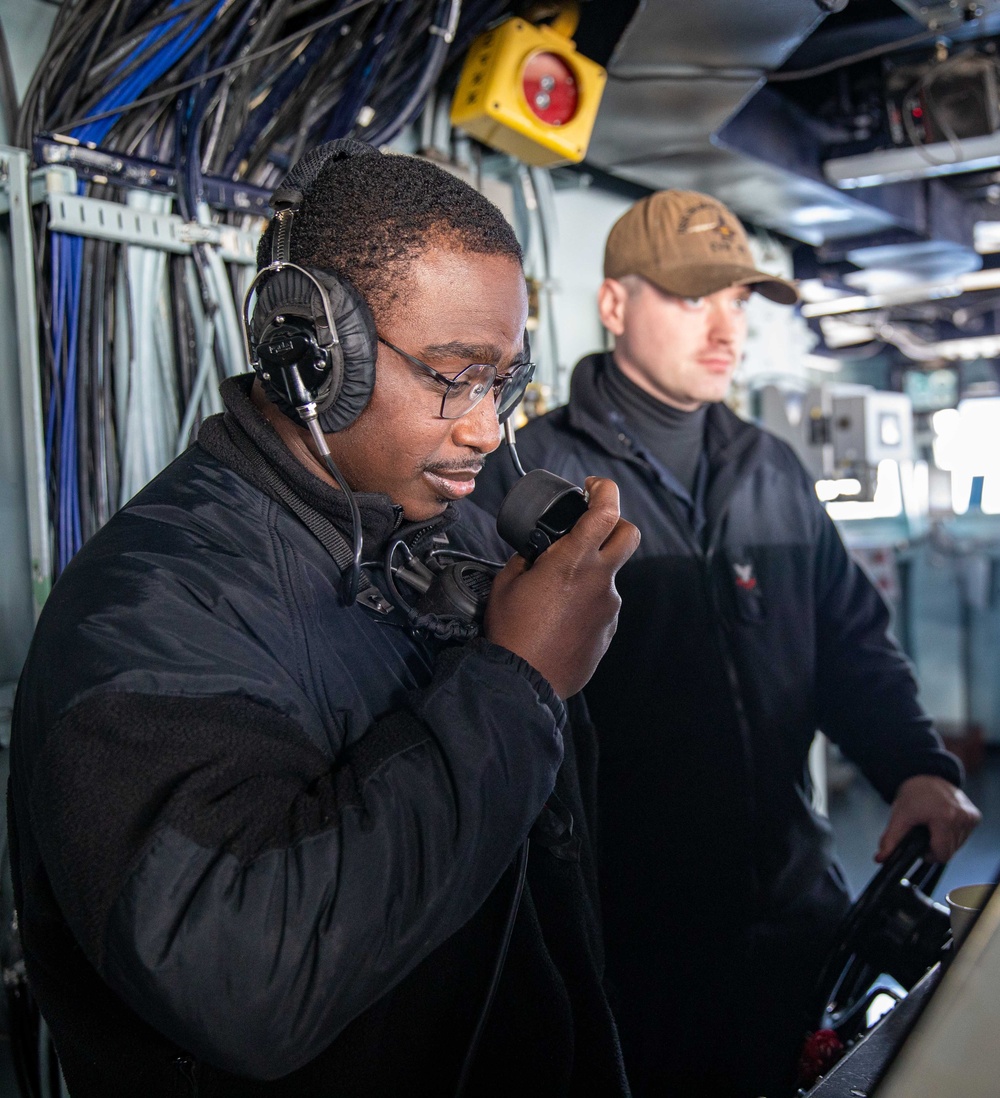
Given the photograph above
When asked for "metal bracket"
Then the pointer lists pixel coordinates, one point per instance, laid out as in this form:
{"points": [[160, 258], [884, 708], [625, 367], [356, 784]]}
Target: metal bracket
{"points": [[70, 212], [373, 598], [96, 217], [38, 183], [132, 172]]}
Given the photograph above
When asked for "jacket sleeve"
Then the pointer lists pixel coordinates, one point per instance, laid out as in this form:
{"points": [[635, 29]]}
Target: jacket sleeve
{"points": [[866, 690], [249, 899]]}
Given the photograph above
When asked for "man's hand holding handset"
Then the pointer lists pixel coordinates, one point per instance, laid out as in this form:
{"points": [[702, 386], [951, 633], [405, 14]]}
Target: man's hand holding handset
{"points": [[560, 612]]}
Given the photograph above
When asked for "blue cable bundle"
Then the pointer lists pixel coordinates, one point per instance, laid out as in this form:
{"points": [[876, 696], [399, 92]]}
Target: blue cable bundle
{"points": [[159, 62], [61, 425]]}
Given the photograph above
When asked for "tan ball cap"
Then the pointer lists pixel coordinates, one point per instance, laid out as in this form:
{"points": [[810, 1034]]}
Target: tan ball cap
{"points": [[690, 245]]}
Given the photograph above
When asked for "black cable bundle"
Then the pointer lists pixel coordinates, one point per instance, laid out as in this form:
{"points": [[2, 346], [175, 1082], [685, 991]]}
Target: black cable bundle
{"points": [[218, 90], [238, 90]]}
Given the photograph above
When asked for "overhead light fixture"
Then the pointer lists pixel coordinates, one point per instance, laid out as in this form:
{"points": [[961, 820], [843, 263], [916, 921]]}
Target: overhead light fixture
{"points": [[881, 280], [821, 363], [829, 490], [859, 303], [839, 334], [815, 289], [987, 279], [986, 237], [820, 215], [967, 350], [873, 169]]}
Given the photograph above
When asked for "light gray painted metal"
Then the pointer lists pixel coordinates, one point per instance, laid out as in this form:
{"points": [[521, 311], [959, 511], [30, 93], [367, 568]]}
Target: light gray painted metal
{"points": [[713, 34], [95, 217], [681, 70], [872, 169], [792, 204], [17, 618], [684, 107], [15, 164], [27, 24], [678, 74], [643, 120]]}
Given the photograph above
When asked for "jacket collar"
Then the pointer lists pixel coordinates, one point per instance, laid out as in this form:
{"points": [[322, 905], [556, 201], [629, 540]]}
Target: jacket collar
{"points": [[728, 438], [732, 445], [589, 414]]}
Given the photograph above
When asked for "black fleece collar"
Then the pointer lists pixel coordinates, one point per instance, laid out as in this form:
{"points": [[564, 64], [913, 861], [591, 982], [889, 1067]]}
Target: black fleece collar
{"points": [[727, 437], [380, 517]]}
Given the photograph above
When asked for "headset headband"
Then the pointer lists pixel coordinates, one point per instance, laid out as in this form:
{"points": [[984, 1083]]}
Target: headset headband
{"points": [[285, 201]]}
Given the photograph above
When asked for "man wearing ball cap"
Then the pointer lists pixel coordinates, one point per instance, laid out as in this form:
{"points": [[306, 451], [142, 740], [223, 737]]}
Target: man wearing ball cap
{"points": [[744, 627]]}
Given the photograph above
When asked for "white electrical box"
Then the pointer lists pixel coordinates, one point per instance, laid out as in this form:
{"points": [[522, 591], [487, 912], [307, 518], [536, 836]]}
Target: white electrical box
{"points": [[841, 432]]}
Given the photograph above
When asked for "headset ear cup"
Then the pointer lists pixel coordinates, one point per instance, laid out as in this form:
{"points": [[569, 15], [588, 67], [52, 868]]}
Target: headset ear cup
{"points": [[289, 303], [359, 344], [341, 377]]}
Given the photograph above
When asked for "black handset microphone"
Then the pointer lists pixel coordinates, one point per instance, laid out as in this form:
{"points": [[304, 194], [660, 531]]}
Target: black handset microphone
{"points": [[541, 507]]}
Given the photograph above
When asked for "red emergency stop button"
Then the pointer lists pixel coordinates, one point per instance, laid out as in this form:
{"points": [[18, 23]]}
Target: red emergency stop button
{"points": [[550, 88]]}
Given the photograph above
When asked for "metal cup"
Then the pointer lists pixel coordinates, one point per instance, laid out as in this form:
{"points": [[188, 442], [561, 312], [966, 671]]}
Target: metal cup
{"points": [[964, 904]]}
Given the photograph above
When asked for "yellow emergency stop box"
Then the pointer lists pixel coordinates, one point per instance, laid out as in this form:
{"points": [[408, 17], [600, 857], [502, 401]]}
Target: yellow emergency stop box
{"points": [[524, 89]]}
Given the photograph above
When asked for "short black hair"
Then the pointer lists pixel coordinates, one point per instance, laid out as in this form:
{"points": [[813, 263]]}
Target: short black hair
{"points": [[365, 217]]}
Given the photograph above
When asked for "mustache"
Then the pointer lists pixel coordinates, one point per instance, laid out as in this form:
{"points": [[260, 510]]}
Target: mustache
{"points": [[473, 467]]}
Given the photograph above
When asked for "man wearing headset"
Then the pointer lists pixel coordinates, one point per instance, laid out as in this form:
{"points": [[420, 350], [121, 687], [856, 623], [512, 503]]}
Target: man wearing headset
{"points": [[269, 822], [745, 627]]}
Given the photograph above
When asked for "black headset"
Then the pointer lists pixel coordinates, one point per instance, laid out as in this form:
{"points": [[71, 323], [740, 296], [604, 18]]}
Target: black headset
{"points": [[310, 336], [311, 340]]}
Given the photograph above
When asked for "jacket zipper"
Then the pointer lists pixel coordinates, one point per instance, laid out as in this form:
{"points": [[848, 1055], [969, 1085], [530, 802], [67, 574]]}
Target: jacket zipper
{"points": [[706, 559], [732, 674]]}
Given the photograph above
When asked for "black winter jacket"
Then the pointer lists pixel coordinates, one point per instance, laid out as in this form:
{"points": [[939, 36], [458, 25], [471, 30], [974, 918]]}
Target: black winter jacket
{"points": [[733, 647], [265, 845]]}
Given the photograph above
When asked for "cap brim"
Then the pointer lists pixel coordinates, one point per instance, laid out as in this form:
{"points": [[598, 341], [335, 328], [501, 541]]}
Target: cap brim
{"points": [[702, 279], [774, 289]]}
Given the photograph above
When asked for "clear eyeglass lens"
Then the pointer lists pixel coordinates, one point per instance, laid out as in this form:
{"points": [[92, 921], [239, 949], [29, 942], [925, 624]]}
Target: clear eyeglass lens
{"points": [[474, 382], [514, 386], [467, 390]]}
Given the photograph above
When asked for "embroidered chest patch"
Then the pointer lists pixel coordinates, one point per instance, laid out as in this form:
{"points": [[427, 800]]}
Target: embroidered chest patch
{"points": [[745, 579]]}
